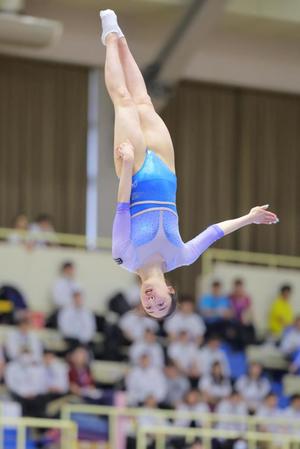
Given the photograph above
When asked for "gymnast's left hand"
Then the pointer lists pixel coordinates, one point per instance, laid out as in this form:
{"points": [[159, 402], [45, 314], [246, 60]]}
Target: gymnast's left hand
{"points": [[126, 152], [261, 215]]}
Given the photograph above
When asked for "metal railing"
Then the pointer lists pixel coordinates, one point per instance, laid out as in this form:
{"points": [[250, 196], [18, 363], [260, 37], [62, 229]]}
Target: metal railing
{"points": [[247, 257], [288, 429], [68, 428]]}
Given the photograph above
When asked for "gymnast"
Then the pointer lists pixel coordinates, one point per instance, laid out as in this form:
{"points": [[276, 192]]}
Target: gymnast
{"points": [[146, 238]]}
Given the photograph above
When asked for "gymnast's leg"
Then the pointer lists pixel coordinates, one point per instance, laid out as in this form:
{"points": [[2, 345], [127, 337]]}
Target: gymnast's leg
{"points": [[127, 120], [155, 131]]}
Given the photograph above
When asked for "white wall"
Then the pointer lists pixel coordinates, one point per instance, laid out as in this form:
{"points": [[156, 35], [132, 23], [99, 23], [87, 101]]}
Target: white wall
{"points": [[33, 272], [262, 283]]}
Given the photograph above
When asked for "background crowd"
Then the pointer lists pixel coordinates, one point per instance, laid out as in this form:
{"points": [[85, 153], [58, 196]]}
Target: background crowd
{"points": [[195, 360]]}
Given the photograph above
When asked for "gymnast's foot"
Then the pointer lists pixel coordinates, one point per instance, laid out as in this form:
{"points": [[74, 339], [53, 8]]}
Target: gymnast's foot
{"points": [[109, 24]]}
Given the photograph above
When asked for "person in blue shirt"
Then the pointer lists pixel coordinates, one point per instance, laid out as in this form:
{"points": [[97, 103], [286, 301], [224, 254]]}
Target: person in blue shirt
{"points": [[215, 306]]}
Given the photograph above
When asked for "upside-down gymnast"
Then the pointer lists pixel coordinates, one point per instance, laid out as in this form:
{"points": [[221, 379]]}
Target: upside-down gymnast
{"points": [[146, 237]]}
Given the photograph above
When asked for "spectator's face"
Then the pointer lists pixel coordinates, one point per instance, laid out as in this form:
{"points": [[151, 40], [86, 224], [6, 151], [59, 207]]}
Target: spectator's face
{"points": [[214, 345], [45, 225], [296, 404], [255, 370], [77, 299], [286, 294], [48, 358], [171, 371], [24, 326], [21, 223], [192, 397], [272, 401], [187, 307], [216, 290], [150, 402], [238, 289], [80, 357], [69, 272], [217, 370], [144, 361], [150, 337]]}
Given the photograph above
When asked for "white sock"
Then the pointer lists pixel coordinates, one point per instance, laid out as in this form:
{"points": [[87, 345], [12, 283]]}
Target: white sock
{"points": [[109, 24]]}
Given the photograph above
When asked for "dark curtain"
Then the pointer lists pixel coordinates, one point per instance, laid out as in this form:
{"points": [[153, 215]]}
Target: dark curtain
{"points": [[236, 148], [43, 130]]}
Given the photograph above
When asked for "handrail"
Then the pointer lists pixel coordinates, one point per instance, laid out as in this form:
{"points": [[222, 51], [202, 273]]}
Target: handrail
{"points": [[226, 255], [78, 241], [21, 425], [208, 420]]}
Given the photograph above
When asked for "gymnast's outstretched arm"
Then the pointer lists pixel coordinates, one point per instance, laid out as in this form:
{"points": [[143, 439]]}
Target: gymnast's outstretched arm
{"points": [[195, 247]]}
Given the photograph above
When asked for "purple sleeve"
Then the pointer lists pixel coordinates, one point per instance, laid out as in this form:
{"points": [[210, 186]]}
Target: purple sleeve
{"points": [[195, 247], [121, 231]]}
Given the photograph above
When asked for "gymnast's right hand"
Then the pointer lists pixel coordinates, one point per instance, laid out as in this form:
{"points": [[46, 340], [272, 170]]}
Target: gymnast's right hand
{"points": [[126, 152]]}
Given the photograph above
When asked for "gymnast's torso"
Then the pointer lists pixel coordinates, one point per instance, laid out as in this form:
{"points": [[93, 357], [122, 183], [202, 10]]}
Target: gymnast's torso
{"points": [[147, 228]]}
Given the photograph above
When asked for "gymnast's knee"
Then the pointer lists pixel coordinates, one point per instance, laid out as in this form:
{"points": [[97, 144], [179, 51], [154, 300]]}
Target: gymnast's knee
{"points": [[143, 100], [122, 97]]}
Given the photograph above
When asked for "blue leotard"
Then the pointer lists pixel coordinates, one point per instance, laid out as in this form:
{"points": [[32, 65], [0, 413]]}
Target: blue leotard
{"points": [[147, 227]]}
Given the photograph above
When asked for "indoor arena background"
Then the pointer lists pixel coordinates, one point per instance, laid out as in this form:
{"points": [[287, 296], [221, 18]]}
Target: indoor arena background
{"points": [[225, 76]]}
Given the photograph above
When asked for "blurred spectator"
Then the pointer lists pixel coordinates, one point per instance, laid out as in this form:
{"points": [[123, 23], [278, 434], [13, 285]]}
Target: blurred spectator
{"points": [[41, 232], [242, 313], [253, 386], [177, 385], [82, 383], [269, 409], [55, 376], [240, 302], [211, 353], [2, 364], [192, 402], [290, 343], [64, 285], [183, 353], [20, 227], [145, 380], [216, 385], [281, 312], [77, 322], [24, 378], [134, 323], [234, 405], [23, 338], [185, 319], [150, 346], [293, 413]]}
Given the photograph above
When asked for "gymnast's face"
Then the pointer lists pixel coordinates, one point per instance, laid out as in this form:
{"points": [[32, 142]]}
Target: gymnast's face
{"points": [[156, 298]]}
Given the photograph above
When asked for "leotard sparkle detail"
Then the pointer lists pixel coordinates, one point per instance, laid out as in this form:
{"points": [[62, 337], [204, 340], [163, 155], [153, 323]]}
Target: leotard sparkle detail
{"points": [[147, 227]]}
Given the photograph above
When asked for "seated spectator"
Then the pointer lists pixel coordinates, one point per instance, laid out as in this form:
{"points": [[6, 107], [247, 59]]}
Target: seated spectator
{"points": [[282, 313], [293, 413], [210, 353], [183, 353], [24, 378], [216, 385], [64, 286], [81, 381], [150, 346], [134, 323], [18, 235], [269, 409], [42, 232], [192, 402], [242, 312], [290, 343], [185, 319], [215, 308], [145, 380], [77, 322], [253, 386], [234, 405], [177, 385], [56, 378], [23, 338]]}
